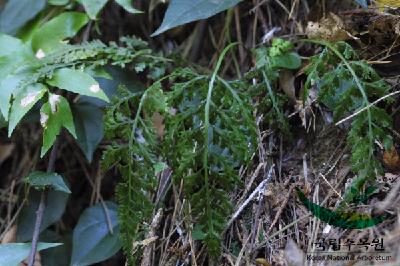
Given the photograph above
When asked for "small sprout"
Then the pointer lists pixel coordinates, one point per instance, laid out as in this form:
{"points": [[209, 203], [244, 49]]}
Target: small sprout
{"points": [[95, 88], [53, 100], [40, 54], [30, 98], [43, 119]]}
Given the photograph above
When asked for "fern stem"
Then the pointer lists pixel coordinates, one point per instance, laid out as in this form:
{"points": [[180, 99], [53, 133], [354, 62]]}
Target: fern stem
{"points": [[206, 132]]}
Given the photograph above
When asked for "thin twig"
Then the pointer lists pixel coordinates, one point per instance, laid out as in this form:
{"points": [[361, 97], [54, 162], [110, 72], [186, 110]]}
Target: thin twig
{"points": [[42, 207], [259, 189]]}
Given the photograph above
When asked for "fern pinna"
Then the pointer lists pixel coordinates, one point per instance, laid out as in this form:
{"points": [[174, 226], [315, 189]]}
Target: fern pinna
{"points": [[346, 85]]}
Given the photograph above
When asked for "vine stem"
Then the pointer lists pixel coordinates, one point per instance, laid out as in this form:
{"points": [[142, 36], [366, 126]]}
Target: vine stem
{"points": [[42, 207]]}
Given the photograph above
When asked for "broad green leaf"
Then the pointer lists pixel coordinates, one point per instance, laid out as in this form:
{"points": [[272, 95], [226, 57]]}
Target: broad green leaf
{"points": [[54, 115], [288, 60], [17, 12], [180, 12], [93, 7], [8, 87], [13, 254], [92, 241], [9, 44], [78, 82], [88, 120], [127, 5], [23, 102], [42, 180], [55, 208], [50, 36]]}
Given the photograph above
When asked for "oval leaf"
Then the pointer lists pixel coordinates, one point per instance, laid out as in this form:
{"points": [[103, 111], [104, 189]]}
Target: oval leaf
{"points": [[49, 36], [180, 12], [13, 254], [17, 12], [78, 82], [92, 242], [23, 102], [55, 208], [54, 115], [42, 180], [93, 7], [88, 120]]}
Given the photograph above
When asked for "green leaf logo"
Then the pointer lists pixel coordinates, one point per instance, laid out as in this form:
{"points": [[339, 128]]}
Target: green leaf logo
{"points": [[347, 220]]}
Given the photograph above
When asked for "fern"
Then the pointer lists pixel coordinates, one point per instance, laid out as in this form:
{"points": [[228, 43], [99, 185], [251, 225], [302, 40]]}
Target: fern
{"points": [[212, 133], [346, 84], [135, 160]]}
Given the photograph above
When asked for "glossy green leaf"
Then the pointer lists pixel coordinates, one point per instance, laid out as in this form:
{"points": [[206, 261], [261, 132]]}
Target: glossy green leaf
{"points": [[23, 102], [89, 127], [93, 7], [92, 241], [54, 115], [55, 208], [78, 82], [127, 5], [18, 12], [50, 36], [9, 44], [42, 180], [13, 254], [180, 12]]}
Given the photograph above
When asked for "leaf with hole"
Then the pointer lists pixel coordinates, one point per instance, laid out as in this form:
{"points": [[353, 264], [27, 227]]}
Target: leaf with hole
{"points": [[78, 82], [23, 102], [55, 115], [92, 241], [50, 35], [13, 254], [42, 180], [180, 12]]}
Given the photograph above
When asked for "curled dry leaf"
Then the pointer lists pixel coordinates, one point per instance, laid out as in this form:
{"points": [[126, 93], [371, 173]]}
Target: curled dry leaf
{"points": [[330, 29], [391, 159], [286, 82]]}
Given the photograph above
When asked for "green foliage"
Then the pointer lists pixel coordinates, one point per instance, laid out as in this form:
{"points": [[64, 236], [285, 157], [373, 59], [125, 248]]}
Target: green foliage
{"points": [[180, 12], [92, 240], [346, 84], [43, 180], [210, 124], [13, 254], [93, 7]]}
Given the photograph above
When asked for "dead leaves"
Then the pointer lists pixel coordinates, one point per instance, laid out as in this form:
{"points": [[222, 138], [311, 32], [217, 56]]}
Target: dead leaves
{"points": [[330, 29], [391, 159]]}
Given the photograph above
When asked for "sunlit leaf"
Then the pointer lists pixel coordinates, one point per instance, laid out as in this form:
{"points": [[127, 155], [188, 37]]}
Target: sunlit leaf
{"points": [[23, 102], [78, 82], [54, 115], [50, 36]]}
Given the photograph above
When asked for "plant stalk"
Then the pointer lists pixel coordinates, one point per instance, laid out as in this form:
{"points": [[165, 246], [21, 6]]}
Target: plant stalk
{"points": [[42, 207]]}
